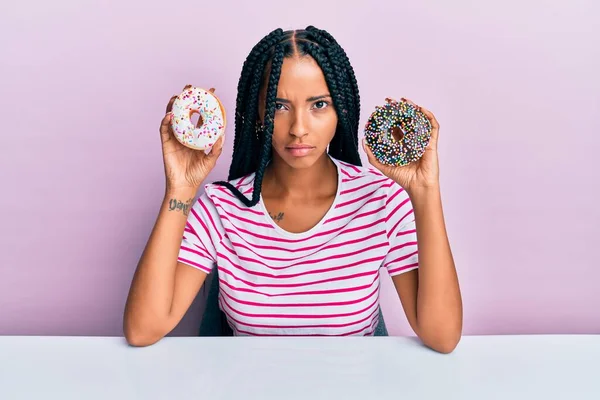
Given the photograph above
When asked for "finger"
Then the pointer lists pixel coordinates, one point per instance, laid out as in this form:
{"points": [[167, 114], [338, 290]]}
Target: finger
{"points": [[187, 87], [409, 102], [435, 126], [390, 100], [170, 103], [217, 148], [165, 127], [212, 90]]}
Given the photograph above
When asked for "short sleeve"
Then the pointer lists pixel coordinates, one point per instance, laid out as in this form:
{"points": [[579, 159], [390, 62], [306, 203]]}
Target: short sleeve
{"points": [[403, 253], [200, 236]]}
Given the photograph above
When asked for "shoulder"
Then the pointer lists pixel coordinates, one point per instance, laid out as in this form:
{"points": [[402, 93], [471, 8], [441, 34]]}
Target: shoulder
{"points": [[355, 177], [220, 199]]}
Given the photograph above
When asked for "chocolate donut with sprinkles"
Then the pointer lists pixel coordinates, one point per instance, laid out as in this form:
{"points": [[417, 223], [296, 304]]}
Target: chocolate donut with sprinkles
{"points": [[412, 129]]}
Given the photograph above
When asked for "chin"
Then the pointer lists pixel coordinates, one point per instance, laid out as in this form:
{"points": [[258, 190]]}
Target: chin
{"points": [[300, 162]]}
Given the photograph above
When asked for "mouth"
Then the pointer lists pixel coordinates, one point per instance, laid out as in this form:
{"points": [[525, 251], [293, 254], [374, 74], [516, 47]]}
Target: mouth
{"points": [[299, 150]]}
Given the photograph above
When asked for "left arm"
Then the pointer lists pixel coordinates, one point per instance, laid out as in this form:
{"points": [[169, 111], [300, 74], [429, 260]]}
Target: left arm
{"points": [[430, 295]]}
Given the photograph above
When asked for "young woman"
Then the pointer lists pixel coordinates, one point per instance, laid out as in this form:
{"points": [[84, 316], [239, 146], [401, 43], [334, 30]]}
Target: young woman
{"points": [[300, 230]]}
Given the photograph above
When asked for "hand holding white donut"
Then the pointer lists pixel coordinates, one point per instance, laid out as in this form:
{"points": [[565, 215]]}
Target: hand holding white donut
{"points": [[185, 167]]}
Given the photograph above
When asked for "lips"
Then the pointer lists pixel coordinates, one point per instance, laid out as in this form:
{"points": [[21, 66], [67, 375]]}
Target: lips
{"points": [[299, 150]]}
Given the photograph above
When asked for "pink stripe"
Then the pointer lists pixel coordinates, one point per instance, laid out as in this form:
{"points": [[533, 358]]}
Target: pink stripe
{"points": [[375, 171], [347, 164], [399, 221], [300, 250], [393, 212], [344, 180], [209, 217], [308, 293], [370, 316], [246, 220], [243, 209], [392, 271], [277, 239], [351, 166], [362, 186], [331, 304], [226, 192], [305, 335], [392, 197], [306, 262], [356, 199], [365, 214], [189, 226], [302, 316], [197, 252], [195, 264], [206, 231], [401, 245], [294, 285], [345, 173], [241, 181], [284, 276], [402, 258]]}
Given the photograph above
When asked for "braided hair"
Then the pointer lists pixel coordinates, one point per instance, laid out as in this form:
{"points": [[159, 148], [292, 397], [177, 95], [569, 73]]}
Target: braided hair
{"points": [[252, 144]]}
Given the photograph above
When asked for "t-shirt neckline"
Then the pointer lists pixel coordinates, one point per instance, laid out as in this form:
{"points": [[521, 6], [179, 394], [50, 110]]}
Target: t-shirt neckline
{"points": [[315, 228]]}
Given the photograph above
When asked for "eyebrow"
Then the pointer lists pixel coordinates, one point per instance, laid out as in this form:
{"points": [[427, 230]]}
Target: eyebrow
{"points": [[314, 98]]}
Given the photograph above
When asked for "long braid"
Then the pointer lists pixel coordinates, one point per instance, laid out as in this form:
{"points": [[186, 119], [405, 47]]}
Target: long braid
{"points": [[246, 163], [249, 70], [266, 59], [316, 52], [345, 62], [343, 148], [349, 82], [269, 125]]}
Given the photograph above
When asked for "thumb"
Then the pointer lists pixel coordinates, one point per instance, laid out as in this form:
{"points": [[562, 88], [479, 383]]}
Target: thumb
{"points": [[373, 160], [165, 127], [217, 148]]}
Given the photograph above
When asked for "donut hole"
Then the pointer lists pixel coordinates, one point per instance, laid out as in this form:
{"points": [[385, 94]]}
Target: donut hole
{"points": [[196, 118], [397, 133]]}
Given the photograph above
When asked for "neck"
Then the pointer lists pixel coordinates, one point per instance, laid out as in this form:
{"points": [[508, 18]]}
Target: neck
{"points": [[282, 179]]}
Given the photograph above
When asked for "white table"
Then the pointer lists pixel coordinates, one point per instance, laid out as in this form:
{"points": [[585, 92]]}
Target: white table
{"points": [[481, 368]]}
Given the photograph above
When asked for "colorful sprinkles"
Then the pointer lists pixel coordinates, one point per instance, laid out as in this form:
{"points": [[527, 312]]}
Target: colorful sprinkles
{"points": [[197, 100], [415, 128]]}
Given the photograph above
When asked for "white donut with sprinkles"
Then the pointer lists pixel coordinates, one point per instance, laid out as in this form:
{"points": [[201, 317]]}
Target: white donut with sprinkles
{"points": [[196, 100]]}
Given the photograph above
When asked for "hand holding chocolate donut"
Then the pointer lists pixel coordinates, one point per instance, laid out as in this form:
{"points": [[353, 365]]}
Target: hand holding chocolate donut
{"points": [[401, 141], [188, 161]]}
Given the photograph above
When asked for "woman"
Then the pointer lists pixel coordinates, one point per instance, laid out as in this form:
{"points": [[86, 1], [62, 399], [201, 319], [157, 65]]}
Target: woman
{"points": [[300, 230]]}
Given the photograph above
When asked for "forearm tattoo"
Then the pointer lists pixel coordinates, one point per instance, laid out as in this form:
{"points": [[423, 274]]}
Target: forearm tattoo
{"points": [[178, 205]]}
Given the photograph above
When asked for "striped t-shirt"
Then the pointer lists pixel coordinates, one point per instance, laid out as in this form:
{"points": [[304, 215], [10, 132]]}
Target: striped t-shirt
{"points": [[324, 281]]}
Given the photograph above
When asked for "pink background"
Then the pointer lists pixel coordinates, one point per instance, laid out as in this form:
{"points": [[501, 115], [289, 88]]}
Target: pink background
{"points": [[514, 84]]}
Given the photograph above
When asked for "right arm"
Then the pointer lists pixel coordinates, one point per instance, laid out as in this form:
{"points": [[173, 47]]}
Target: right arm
{"points": [[162, 288]]}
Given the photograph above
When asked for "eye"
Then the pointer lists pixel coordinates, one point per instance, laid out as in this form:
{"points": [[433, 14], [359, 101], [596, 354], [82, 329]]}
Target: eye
{"points": [[321, 104], [279, 106]]}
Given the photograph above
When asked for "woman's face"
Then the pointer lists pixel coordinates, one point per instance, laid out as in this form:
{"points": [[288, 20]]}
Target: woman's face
{"points": [[305, 120]]}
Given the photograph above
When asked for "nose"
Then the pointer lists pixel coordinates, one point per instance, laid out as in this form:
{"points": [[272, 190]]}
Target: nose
{"points": [[299, 125]]}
